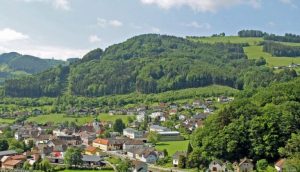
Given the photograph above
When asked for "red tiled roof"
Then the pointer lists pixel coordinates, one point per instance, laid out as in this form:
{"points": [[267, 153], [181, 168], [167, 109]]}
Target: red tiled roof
{"points": [[12, 162], [90, 149], [280, 163], [18, 157], [101, 141]]}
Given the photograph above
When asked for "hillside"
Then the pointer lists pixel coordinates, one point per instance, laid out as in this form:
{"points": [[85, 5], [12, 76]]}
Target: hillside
{"points": [[148, 64], [253, 48], [257, 125], [15, 65]]}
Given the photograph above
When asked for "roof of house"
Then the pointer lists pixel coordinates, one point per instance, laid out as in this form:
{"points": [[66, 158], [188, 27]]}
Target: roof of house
{"points": [[91, 158], [109, 141], [245, 160], [18, 157], [130, 130], [134, 142], [8, 152], [280, 163], [178, 153], [138, 163], [12, 162], [216, 161], [90, 149]]}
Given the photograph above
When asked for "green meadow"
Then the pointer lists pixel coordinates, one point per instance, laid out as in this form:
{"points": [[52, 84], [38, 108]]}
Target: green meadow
{"points": [[254, 51]]}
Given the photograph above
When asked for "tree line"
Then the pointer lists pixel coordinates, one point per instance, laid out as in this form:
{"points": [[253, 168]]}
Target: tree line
{"points": [[280, 50]]}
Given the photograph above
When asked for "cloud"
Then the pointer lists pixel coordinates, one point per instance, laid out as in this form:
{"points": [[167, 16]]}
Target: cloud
{"points": [[197, 25], [289, 2], [44, 51], [94, 39], [202, 5], [57, 4], [14, 41], [108, 23], [62, 4], [8, 34]]}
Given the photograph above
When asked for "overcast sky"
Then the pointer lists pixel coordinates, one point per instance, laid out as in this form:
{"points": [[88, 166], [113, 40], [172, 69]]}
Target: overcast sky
{"points": [[70, 28]]}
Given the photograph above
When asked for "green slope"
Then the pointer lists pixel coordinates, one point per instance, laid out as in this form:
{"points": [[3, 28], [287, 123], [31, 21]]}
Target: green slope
{"points": [[254, 50], [15, 65]]}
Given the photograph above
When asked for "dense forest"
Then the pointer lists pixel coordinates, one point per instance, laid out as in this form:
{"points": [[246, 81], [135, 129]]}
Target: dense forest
{"points": [[15, 65], [286, 38], [280, 50], [260, 124], [27, 63], [50, 83], [145, 64]]}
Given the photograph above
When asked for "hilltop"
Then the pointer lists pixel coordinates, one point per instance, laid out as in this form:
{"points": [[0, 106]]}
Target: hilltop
{"points": [[15, 65]]}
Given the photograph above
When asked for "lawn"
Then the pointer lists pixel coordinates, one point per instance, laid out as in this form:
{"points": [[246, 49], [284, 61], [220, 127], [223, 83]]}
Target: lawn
{"points": [[254, 52], [107, 117], [60, 118], [173, 146], [6, 121]]}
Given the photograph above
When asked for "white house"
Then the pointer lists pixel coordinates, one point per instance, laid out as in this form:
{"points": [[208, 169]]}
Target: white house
{"points": [[147, 156], [176, 157], [132, 133], [156, 115], [140, 117], [217, 166]]}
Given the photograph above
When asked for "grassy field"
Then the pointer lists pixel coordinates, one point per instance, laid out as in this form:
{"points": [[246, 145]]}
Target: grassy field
{"points": [[228, 39], [107, 117], [173, 146], [60, 118], [254, 52], [290, 43], [6, 121]]}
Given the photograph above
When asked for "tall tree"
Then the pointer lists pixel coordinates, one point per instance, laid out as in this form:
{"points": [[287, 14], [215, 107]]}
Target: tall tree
{"points": [[119, 125]]}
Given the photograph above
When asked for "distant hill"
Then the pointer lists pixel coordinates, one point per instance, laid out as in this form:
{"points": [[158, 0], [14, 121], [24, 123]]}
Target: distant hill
{"points": [[15, 65], [149, 63]]}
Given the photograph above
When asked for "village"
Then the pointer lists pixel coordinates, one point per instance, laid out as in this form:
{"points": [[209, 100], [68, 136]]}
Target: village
{"points": [[101, 141]]}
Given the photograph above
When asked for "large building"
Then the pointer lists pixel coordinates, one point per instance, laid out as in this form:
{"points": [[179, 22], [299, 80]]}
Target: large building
{"points": [[132, 133]]}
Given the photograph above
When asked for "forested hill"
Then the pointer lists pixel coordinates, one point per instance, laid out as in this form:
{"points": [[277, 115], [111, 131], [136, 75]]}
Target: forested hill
{"points": [[16, 65], [149, 64], [257, 124]]}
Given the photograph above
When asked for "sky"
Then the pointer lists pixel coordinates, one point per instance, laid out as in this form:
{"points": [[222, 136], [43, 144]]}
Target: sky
{"points": [[64, 29]]}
